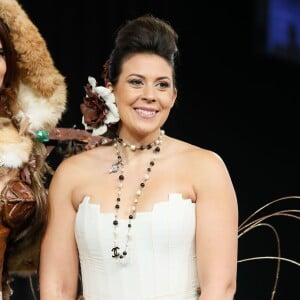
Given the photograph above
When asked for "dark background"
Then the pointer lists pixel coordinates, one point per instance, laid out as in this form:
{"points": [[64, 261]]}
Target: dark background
{"points": [[237, 96]]}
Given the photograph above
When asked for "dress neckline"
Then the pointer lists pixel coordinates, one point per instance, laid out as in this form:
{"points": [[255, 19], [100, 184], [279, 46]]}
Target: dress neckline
{"points": [[172, 197]]}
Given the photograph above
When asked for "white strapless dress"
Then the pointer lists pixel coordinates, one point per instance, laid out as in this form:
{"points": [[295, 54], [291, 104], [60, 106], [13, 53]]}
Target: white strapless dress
{"points": [[161, 260]]}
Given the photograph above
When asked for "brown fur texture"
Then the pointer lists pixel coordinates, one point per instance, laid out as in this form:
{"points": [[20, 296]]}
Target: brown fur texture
{"points": [[37, 69], [14, 147], [39, 104]]}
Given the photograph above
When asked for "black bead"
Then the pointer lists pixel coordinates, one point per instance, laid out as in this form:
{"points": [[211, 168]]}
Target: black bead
{"points": [[152, 163], [121, 177], [157, 149], [124, 253], [121, 256], [117, 206], [142, 184], [129, 225], [130, 216], [118, 199], [115, 222]]}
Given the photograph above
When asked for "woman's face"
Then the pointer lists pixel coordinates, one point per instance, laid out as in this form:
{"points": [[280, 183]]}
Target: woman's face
{"points": [[2, 65], [145, 93]]}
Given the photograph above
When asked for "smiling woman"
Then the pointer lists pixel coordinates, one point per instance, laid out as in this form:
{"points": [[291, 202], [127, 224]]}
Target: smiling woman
{"points": [[145, 216]]}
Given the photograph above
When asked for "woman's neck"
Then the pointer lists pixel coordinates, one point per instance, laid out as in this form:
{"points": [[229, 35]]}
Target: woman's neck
{"points": [[140, 143]]}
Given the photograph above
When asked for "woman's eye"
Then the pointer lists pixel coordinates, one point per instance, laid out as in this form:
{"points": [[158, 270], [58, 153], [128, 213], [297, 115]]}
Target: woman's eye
{"points": [[135, 81], [163, 85], [2, 53]]}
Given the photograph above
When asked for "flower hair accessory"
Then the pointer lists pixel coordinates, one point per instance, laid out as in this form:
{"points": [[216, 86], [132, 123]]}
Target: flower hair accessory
{"points": [[98, 108]]}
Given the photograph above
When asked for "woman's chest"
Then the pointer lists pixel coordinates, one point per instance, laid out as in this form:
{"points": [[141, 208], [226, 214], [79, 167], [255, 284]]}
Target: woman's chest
{"points": [[128, 188]]}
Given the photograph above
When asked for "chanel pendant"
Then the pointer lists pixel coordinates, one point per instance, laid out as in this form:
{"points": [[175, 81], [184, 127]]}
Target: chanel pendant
{"points": [[115, 251]]}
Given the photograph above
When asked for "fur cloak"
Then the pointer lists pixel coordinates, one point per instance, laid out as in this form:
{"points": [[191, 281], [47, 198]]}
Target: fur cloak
{"points": [[39, 105]]}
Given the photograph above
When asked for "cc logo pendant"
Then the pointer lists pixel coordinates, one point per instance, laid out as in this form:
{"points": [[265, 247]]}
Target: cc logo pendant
{"points": [[115, 252]]}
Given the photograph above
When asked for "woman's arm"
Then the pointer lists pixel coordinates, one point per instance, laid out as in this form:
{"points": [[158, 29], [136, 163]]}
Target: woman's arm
{"points": [[217, 230], [58, 273]]}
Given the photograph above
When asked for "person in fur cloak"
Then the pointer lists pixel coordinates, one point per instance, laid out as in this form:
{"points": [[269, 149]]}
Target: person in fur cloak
{"points": [[32, 100]]}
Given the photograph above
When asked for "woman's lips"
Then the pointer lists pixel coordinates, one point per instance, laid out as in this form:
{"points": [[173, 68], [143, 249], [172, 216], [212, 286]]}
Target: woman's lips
{"points": [[146, 113]]}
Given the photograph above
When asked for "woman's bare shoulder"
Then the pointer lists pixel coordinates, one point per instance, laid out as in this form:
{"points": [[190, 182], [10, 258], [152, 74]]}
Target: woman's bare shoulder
{"points": [[78, 163], [195, 160], [192, 152]]}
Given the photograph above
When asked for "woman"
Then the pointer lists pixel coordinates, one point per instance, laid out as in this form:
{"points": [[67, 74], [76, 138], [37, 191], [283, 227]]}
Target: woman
{"points": [[146, 216], [32, 99]]}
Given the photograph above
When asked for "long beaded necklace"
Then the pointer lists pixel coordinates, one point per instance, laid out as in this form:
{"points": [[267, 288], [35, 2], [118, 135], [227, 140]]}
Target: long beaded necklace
{"points": [[119, 166]]}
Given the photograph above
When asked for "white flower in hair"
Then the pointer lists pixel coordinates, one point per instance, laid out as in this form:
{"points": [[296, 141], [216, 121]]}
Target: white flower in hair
{"points": [[98, 108]]}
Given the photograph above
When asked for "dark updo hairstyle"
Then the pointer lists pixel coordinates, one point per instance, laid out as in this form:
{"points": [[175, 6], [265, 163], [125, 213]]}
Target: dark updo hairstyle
{"points": [[145, 34]]}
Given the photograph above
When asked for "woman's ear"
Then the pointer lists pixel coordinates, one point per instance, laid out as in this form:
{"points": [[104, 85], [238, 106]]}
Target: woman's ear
{"points": [[109, 86]]}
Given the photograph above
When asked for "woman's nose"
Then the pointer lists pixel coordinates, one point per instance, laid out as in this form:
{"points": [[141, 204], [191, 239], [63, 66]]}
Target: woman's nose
{"points": [[149, 94]]}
